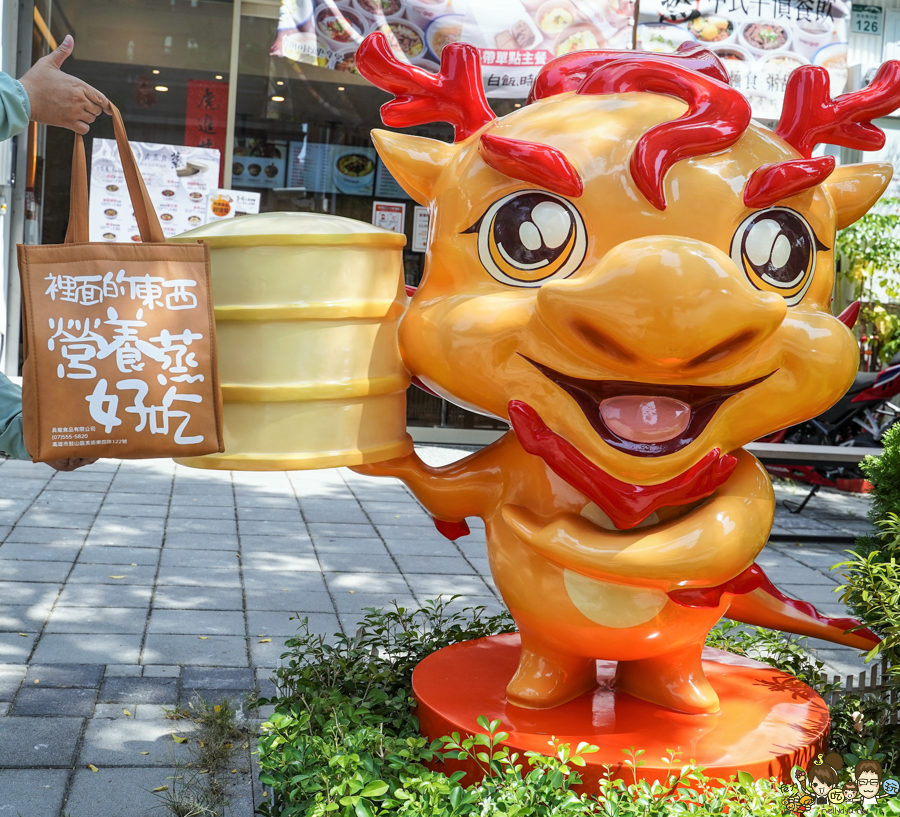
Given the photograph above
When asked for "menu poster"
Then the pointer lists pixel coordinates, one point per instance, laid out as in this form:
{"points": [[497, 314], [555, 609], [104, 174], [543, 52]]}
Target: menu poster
{"points": [[178, 178], [386, 186], [259, 163], [389, 215], [514, 37], [321, 168], [759, 41], [226, 203]]}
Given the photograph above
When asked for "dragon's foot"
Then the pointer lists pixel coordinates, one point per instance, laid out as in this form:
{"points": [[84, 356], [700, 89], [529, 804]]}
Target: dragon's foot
{"points": [[675, 681], [547, 679]]}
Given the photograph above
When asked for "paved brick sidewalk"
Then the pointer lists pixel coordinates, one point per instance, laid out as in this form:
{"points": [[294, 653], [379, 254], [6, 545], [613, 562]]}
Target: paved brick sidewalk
{"points": [[140, 584]]}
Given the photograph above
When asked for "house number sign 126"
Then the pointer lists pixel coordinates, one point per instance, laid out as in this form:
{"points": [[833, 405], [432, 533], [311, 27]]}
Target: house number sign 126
{"points": [[867, 19]]}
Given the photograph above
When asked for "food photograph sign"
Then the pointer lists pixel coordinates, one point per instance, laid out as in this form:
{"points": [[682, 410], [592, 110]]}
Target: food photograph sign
{"points": [[179, 179], [260, 163], [320, 168], [759, 41], [514, 37]]}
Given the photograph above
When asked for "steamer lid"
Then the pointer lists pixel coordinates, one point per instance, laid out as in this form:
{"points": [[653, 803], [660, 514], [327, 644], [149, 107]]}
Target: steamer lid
{"points": [[281, 229]]}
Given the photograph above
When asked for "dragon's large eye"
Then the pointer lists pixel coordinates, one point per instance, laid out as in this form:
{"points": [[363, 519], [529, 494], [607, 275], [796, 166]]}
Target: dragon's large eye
{"points": [[776, 249], [530, 237]]}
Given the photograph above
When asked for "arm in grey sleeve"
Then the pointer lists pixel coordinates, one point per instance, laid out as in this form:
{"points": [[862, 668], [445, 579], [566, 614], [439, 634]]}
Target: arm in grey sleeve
{"points": [[12, 441], [15, 107]]}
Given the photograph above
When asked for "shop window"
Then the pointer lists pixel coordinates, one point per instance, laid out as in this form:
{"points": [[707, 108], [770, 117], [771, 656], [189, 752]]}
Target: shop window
{"points": [[301, 131]]}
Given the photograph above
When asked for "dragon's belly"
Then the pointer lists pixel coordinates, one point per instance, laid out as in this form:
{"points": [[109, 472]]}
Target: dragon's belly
{"points": [[613, 605], [585, 616]]}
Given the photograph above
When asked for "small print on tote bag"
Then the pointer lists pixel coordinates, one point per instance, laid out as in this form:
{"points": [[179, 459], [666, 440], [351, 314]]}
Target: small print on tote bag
{"points": [[120, 341]]}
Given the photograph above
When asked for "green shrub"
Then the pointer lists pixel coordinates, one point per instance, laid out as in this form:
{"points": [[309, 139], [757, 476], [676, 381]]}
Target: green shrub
{"points": [[373, 668], [861, 730], [884, 474], [873, 575], [343, 741], [873, 590], [861, 725], [343, 708]]}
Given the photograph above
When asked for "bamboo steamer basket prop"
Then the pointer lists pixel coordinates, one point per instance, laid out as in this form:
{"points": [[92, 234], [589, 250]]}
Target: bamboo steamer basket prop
{"points": [[306, 309]]}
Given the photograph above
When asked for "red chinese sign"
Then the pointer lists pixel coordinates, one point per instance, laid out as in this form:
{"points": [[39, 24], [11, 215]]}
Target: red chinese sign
{"points": [[207, 107]]}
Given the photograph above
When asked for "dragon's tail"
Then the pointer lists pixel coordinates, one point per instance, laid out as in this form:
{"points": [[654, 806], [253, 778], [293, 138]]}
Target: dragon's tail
{"points": [[755, 600]]}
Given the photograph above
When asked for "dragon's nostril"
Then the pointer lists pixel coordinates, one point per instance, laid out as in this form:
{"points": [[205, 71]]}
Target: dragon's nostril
{"points": [[602, 341], [727, 347]]}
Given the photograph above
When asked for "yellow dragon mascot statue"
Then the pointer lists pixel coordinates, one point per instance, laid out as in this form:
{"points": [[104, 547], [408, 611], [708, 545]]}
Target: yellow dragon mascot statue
{"points": [[638, 278]]}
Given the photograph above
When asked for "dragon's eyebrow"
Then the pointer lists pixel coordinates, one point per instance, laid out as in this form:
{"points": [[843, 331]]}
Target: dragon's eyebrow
{"points": [[771, 183], [531, 162]]}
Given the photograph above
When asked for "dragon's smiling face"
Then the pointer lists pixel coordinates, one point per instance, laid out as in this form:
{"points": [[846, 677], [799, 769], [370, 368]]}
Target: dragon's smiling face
{"points": [[647, 315]]}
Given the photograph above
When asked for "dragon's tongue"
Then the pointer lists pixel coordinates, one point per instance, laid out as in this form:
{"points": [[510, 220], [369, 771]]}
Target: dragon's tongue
{"points": [[645, 419]]}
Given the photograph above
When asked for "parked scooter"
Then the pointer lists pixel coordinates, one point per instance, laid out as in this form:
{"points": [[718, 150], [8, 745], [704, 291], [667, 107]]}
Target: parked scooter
{"points": [[859, 419]]}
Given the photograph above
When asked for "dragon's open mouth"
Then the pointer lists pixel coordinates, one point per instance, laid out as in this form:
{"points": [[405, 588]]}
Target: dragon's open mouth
{"points": [[645, 419], [626, 504]]}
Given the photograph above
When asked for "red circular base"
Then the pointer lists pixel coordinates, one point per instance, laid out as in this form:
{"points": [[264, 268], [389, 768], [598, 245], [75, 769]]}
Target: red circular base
{"points": [[769, 721]]}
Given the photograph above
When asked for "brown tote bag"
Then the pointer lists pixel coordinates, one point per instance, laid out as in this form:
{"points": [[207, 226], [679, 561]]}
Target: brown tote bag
{"points": [[120, 341]]}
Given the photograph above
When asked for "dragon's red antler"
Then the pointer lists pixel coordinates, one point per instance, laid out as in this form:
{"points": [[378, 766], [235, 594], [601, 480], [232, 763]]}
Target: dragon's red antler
{"points": [[454, 95], [811, 117], [717, 115], [566, 73]]}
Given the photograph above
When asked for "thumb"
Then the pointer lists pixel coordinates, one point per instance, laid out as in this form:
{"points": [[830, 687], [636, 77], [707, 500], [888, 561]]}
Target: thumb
{"points": [[58, 57]]}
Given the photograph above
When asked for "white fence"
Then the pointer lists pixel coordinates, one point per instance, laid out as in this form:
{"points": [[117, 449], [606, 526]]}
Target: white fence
{"points": [[875, 681]]}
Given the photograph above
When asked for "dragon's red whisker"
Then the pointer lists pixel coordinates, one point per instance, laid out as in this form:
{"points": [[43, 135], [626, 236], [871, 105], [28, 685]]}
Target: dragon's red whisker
{"points": [[771, 183], [811, 117], [454, 95], [531, 162]]}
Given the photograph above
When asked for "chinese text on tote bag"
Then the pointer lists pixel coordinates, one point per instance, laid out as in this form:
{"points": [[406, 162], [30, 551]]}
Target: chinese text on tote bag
{"points": [[120, 346]]}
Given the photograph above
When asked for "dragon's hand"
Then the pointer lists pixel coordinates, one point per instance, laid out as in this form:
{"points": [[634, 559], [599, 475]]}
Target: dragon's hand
{"points": [[452, 492], [397, 467], [704, 548]]}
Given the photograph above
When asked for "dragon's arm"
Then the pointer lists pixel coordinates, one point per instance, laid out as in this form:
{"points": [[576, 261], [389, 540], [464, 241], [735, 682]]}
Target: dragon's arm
{"points": [[708, 546], [468, 487]]}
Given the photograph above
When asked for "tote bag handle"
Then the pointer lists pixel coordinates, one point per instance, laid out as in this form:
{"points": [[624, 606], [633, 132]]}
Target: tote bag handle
{"points": [[145, 215]]}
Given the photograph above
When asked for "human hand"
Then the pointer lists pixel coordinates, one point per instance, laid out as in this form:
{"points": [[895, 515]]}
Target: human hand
{"points": [[60, 99], [72, 463]]}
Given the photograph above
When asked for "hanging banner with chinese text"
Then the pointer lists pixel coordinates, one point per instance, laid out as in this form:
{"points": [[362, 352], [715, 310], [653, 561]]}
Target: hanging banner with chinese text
{"points": [[514, 37], [759, 41], [206, 115]]}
